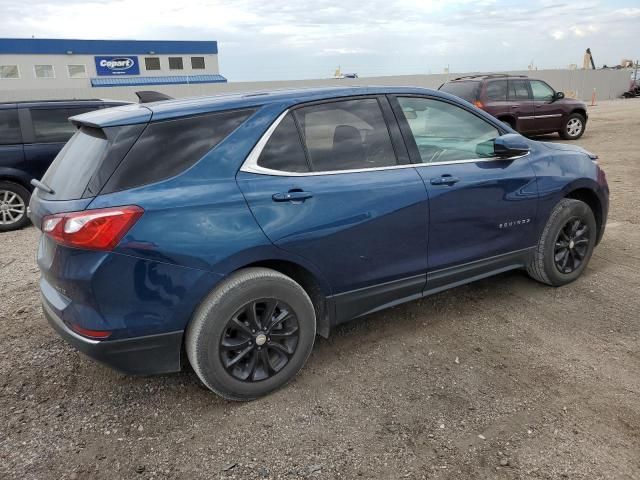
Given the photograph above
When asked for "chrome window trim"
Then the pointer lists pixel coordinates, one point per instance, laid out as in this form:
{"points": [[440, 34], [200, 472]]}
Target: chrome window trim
{"points": [[250, 164]]}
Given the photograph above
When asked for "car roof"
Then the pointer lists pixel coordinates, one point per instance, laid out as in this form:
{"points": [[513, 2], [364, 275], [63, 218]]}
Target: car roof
{"points": [[167, 109]]}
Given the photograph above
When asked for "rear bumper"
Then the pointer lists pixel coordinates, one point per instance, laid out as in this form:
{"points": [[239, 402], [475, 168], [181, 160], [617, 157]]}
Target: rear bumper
{"points": [[147, 355]]}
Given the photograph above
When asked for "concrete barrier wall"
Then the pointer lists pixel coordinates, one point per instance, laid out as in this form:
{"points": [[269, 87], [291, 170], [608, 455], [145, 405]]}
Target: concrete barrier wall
{"points": [[609, 84]]}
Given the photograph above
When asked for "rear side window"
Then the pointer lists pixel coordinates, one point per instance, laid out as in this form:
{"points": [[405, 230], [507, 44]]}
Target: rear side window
{"points": [[497, 90], [346, 135], [284, 149], [167, 148], [467, 90], [53, 126], [9, 127], [519, 90]]}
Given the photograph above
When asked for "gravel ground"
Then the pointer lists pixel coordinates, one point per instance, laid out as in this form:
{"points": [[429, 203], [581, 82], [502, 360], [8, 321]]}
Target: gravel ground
{"points": [[504, 378]]}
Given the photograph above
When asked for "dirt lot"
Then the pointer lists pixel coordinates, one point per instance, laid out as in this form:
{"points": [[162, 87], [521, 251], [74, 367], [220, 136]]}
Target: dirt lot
{"points": [[504, 378]]}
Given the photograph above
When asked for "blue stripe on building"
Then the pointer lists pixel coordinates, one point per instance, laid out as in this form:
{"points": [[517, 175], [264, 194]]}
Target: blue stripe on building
{"points": [[173, 80], [52, 46]]}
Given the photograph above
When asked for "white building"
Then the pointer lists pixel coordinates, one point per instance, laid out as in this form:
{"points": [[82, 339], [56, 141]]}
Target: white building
{"points": [[39, 64]]}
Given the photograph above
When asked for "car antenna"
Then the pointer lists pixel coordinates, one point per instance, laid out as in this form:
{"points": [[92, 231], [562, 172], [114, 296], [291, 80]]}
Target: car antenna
{"points": [[147, 96]]}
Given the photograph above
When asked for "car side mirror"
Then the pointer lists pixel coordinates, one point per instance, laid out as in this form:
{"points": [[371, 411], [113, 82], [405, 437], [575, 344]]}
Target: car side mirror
{"points": [[510, 145], [558, 96]]}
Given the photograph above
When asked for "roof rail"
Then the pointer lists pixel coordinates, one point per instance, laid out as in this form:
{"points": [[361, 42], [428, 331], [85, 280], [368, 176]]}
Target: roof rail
{"points": [[54, 100], [489, 75]]}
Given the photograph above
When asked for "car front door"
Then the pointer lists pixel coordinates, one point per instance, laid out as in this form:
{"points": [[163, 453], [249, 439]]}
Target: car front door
{"points": [[519, 96], [548, 111], [330, 187], [482, 208]]}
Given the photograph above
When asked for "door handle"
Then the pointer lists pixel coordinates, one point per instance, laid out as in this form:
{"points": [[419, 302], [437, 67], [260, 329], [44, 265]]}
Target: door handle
{"points": [[292, 196], [445, 179]]}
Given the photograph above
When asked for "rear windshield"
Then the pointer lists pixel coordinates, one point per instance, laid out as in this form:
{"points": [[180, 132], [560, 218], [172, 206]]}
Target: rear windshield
{"points": [[76, 163], [467, 90]]}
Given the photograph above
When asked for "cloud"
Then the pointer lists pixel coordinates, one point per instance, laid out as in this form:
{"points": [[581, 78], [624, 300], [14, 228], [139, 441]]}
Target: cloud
{"points": [[309, 38]]}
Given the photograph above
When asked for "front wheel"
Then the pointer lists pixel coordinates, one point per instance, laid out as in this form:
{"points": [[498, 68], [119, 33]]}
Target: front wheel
{"points": [[566, 244], [252, 334], [573, 127]]}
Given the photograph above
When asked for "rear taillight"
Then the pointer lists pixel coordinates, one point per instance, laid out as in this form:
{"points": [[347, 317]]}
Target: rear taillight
{"points": [[478, 104], [100, 229]]}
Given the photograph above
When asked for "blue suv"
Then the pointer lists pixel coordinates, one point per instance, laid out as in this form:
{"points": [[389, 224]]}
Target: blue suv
{"points": [[31, 135], [228, 231]]}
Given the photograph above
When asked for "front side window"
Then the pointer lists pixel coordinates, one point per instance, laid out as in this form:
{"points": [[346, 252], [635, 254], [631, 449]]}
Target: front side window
{"points": [[9, 127], [77, 71], [497, 90], [444, 132], [175, 63], [9, 71], [346, 135], [197, 63], [519, 90], [44, 71], [152, 63], [541, 91], [284, 149], [52, 125]]}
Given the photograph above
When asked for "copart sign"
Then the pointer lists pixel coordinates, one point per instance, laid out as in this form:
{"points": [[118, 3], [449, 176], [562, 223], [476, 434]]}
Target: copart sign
{"points": [[117, 65]]}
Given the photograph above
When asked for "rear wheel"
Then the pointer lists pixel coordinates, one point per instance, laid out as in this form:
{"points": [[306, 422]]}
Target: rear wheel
{"points": [[566, 244], [573, 127], [252, 334], [14, 199]]}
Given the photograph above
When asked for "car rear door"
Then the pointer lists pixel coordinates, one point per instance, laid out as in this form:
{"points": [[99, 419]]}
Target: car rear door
{"points": [[519, 96], [548, 112], [46, 130], [11, 150], [482, 208], [333, 185]]}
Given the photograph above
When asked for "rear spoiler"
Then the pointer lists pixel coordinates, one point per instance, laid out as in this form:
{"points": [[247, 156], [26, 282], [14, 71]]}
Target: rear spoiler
{"points": [[147, 96]]}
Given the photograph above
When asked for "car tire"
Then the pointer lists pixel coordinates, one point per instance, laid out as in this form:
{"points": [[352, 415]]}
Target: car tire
{"points": [[573, 127], [566, 244], [223, 328], [14, 199]]}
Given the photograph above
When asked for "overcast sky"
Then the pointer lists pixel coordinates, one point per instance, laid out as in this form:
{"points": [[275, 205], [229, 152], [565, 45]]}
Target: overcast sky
{"points": [[276, 39]]}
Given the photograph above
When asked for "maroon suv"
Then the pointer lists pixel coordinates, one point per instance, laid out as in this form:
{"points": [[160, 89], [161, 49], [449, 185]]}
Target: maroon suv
{"points": [[529, 106]]}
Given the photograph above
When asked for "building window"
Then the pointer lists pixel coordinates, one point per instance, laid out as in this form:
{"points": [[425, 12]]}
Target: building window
{"points": [[44, 71], [152, 63], [9, 71], [77, 71], [175, 63], [197, 63]]}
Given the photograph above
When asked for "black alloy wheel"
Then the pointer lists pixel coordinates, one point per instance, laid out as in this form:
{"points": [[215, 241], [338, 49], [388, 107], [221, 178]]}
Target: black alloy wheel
{"points": [[259, 340], [571, 245]]}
